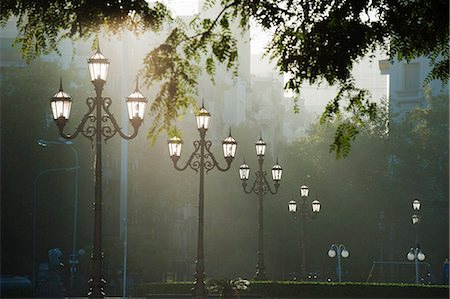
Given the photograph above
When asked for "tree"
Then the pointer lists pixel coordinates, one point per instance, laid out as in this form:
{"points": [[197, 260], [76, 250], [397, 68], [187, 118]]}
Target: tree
{"points": [[25, 118], [313, 41]]}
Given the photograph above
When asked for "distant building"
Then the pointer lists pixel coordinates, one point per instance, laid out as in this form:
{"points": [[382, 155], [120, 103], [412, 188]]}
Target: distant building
{"points": [[406, 90]]}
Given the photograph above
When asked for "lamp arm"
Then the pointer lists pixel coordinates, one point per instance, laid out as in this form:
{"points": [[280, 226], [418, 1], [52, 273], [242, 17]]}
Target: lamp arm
{"points": [[209, 154], [276, 185], [108, 133], [195, 165], [89, 132], [244, 186]]}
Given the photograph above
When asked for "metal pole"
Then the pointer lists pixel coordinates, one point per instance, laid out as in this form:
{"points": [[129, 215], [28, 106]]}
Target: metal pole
{"points": [[200, 286], [74, 255], [260, 267], [125, 252], [339, 262], [96, 281], [416, 262], [302, 232]]}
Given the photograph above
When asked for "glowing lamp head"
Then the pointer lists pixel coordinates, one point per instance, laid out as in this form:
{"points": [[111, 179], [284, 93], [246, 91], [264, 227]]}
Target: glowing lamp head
{"points": [[136, 104], [260, 147], [416, 205], [316, 206], [203, 118], [277, 171], [229, 146], [304, 191], [175, 144], [292, 206], [98, 66], [244, 172], [61, 103], [421, 256]]}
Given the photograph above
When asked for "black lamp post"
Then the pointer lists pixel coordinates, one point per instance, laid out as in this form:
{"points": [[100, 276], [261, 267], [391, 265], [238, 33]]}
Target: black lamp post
{"points": [[201, 160], [415, 254], [94, 126], [260, 187], [304, 214]]}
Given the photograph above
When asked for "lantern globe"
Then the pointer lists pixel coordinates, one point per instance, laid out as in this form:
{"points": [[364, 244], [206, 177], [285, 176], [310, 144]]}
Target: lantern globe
{"points": [[244, 171], [136, 104], [260, 147], [416, 204], [292, 206], [175, 144], [98, 66], [203, 118], [304, 191], [421, 256], [277, 171], [316, 206], [229, 145], [61, 103]]}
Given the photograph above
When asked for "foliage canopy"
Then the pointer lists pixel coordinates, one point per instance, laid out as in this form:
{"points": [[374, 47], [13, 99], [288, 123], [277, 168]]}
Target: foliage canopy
{"points": [[313, 41]]}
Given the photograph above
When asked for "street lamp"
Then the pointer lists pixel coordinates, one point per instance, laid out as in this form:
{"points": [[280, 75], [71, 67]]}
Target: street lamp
{"points": [[416, 255], [260, 187], [95, 124], [304, 213], [339, 251], [201, 160], [415, 218], [74, 256]]}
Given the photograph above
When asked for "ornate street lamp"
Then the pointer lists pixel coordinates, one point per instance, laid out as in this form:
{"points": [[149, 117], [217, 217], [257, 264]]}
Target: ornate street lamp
{"points": [[94, 126], [201, 160], [304, 213], [260, 187], [341, 251]]}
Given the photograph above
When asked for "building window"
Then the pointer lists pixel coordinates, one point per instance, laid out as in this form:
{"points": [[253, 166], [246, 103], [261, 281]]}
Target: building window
{"points": [[411, 77]]}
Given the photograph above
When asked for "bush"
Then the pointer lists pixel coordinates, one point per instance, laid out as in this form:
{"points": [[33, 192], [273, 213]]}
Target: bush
{"points": [[286, 289]]}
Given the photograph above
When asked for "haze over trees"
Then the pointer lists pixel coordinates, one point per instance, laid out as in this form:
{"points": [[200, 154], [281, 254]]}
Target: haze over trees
{"points": [[381, 174], [312, 41]]}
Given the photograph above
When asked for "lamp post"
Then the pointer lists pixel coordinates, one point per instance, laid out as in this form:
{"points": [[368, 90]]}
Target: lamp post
{"points": [[95, 126], [340, 251], [74, 255], [304, 214], [260, 187], [201, 160], [416, 255]]}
